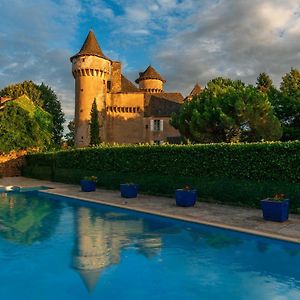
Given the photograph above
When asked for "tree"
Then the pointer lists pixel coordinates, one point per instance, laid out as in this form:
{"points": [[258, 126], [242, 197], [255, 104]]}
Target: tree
{"points": [[52, 105], [286, 102], [44, 97], [290, 84], [94, 125], [70, 136], [24, 125], [27, 88], [228, 111], [264, 82]]}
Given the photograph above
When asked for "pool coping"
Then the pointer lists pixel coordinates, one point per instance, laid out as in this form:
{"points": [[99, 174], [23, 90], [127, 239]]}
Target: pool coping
{"points": [[176, 217]]}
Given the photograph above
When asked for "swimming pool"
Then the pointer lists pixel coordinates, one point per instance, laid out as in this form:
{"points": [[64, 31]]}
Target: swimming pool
{"points": [[54, 248]]}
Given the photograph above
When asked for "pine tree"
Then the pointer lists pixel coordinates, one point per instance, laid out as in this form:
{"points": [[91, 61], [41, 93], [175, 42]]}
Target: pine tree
{"points": [[70, 136], [94, 125], [264, 82]]}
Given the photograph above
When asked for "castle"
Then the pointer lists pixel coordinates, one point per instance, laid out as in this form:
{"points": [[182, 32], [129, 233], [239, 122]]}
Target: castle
{"points": [[127, 113]]}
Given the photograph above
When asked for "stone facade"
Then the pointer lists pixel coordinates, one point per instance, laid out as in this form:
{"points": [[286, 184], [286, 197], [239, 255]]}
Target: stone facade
{"points": [[127, 113]]}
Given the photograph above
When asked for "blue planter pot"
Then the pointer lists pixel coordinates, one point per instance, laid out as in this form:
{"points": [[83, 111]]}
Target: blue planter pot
{"points": [[87, 185], [129, 190], [274, 210], [185, 198]]}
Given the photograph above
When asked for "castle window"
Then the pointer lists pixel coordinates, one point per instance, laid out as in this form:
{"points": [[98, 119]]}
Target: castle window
{"points": [[134, 109], [83, 59], [157, 125], [81, 90], [115, 109], [126, 109], [123, 109], [108, 85], [130, 109]]}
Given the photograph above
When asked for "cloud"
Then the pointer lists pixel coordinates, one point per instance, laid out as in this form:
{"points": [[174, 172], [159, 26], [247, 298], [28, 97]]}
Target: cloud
{"points": [[237, 39], [35, 44], [186, 40]]}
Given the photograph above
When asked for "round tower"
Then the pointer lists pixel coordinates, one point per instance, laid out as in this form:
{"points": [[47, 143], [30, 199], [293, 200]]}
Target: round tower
{"points": [[151, 81], [91, 70]]}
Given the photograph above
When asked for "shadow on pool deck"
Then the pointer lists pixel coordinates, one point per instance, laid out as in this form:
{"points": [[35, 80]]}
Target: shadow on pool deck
{"points": [[237, 218]]}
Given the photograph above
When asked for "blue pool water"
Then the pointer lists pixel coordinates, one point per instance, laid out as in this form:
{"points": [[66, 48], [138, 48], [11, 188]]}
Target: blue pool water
{"points": [[58, 249]]}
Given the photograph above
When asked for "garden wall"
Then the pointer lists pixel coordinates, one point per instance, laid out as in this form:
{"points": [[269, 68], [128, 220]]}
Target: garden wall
{"points": [[227, 173]]}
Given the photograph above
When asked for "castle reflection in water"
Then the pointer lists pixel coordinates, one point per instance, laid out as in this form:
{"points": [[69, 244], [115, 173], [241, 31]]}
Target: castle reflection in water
{"points": [[102, 236]]}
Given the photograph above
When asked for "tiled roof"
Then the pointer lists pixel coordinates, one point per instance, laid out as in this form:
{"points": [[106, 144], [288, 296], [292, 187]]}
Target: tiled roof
{"points": [[162, 104], [90, 47], [196, 90], [150, 73], [127, 86]]}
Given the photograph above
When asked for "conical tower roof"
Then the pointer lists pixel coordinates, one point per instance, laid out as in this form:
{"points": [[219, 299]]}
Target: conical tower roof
{"points": [[90, 47], [196, 90], [90, 278], [150, 73]]}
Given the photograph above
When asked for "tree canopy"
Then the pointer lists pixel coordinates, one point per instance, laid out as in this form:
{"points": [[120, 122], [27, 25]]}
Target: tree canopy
{"points": [[286, 102], [264, 83], [24, 125], [43, 97], [228, 111]]}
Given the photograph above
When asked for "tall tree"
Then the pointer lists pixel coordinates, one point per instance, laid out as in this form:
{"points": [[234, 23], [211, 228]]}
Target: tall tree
{"points": [[286, 103], [70, 136], [264, 82], [228, 111], [52, 105], [94, 125], [290, 84]]}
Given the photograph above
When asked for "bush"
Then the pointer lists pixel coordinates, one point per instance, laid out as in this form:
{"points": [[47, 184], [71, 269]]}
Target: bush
{"points": [[228, 173]]}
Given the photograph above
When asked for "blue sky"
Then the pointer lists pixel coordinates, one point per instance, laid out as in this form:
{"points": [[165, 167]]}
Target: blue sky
{"points": [[185, 40]]}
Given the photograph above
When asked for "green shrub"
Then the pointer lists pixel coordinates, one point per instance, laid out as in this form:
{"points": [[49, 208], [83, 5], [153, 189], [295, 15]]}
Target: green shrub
{"points": [[227, 173]]}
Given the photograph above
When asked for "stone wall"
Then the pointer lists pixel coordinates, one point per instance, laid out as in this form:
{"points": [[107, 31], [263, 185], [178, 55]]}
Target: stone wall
{"points": [[12, 163]]}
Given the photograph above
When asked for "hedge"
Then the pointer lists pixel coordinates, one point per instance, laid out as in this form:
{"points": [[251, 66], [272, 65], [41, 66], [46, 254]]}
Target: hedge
{"points": [[228, 173]]}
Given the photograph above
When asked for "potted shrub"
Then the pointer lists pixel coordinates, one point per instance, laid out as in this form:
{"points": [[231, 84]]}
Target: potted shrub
{"points": [[186, 197], [88, 183], [129, 190], [275, 208]]}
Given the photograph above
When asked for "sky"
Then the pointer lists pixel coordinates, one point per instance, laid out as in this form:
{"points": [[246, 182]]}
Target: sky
{"points": [[187, 41]]}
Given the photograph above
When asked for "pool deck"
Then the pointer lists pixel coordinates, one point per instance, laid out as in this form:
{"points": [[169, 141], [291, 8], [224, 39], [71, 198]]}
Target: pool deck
{"points": [[236, 218]]}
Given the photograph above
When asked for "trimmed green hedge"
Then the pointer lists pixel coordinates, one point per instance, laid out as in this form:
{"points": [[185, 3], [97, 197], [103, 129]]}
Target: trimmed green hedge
{"points": [[228, 173]]}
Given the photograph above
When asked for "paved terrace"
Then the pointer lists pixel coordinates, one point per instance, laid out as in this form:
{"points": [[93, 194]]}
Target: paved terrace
{"points": [[237, 218]]}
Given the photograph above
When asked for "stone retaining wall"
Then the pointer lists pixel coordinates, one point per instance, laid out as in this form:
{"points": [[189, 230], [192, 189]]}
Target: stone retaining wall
{"points": [[12, 163]]}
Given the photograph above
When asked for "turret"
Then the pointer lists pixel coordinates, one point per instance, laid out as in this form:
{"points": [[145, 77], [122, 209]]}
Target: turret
{"points": [[91, 70], [195, 92], [150, 81]]}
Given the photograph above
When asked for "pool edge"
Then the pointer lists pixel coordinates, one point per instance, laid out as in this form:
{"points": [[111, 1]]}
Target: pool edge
{"points": [[181, 218]]}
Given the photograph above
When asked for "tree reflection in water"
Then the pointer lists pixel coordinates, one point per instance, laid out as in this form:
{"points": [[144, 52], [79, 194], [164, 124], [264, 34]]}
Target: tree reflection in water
{"points": [[26, 220]]}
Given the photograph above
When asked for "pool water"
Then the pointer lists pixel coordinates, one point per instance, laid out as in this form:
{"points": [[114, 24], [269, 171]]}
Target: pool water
{"points": [[54, 248]]}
